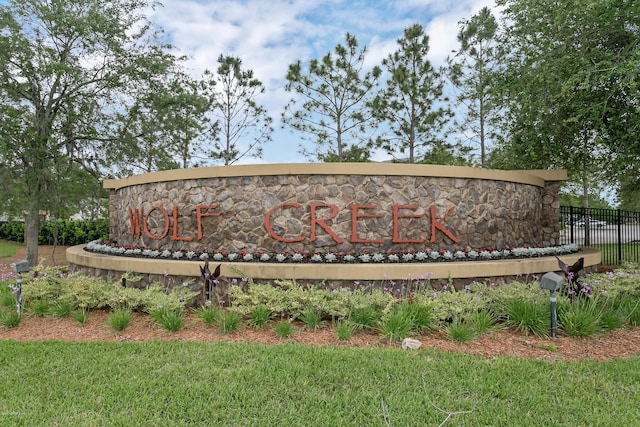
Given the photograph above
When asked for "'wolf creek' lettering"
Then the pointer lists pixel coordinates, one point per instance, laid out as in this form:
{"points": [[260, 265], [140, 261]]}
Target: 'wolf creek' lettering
{"points": [[167, 220]]}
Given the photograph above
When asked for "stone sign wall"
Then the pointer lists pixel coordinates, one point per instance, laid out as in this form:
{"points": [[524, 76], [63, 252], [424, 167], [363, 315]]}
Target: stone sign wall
{"points": [[345, 208]]}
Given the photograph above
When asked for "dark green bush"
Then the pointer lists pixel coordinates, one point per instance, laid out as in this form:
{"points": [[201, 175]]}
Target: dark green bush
{"points": [[12, 231], [70, 232]]}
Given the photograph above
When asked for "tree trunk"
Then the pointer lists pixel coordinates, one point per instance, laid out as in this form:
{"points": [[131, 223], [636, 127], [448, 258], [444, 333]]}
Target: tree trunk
{"points": [[31, 231], [585, 205], [339, 138], [482, 147]]}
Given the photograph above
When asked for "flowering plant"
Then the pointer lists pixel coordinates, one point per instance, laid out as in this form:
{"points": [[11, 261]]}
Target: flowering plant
{"points": [[264, 257], [330, 257], [365, 257], [408, 257], [378, 257], [421, 256], [109, 248], [316, 257]]}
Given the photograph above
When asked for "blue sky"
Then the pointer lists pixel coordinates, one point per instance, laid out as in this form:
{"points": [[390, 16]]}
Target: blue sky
{"points": [[270, 35]]}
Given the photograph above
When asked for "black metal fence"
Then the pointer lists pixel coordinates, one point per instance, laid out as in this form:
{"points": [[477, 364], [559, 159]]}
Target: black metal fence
{"points": [[615, 232]]}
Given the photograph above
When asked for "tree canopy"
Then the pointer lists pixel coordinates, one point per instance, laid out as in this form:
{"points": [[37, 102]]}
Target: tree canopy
{"points": [[335, 93], [411, 103], [472, 72], [570, 86], [68, 71], [240, 125], [88, 89]]}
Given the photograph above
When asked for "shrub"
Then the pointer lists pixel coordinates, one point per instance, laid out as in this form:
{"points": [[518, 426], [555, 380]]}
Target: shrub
{"points": [[61, 309], [41, 308], [380, 301], [581, 318], [460, 332], [615, 284], [448, 305], [259, 316], [12, 231], [364, 317], [169, 320], [9, 319], [80, 316], [153, 296], [529, 317], [629, 306], [287, 298], [69, 232], [420, 315], [284, 328], [291, 299], [229, 321], [119, 319], [54, 285], [611, 319], [7, 300], [344, 330], [478, 306], [498, 299], [396, 326], [481, 321], [312, 319], [208, 315]]}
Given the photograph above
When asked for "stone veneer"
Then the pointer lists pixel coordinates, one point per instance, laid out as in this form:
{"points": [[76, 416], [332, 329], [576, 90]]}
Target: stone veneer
{"points": [[487, 208]]}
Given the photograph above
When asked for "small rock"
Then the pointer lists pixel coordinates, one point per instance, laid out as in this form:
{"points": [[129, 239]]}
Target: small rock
{"points": [[409, 343]]}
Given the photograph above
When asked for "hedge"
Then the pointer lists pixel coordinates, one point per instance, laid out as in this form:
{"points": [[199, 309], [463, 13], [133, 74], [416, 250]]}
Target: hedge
{"points": [[70, 232]]}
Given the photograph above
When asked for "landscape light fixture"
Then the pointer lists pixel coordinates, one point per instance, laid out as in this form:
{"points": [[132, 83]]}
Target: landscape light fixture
{"points": [[552, 282], [19, 268]]}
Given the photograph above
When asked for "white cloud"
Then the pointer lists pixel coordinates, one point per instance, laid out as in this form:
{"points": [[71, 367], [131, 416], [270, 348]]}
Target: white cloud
{"points": [[443, 28], [270, 35]]}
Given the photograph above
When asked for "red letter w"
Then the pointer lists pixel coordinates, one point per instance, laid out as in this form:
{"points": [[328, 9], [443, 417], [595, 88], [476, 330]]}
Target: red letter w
{"points": [[135, 219]]}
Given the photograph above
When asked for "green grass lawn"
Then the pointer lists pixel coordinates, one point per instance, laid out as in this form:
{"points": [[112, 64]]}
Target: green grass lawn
{"points": [[179, 384], [242, 384], [7, 249]]}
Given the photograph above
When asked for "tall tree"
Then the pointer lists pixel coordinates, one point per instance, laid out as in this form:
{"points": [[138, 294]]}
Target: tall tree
{"points": [[571, 84], [67, 72], [241, 125], [182, 110], [334, 95], [166, 126], [470, 71], [412, 103]]}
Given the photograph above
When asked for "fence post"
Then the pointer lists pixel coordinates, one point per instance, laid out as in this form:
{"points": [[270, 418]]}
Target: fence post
{"points": [[619, 222], [571, 224]]}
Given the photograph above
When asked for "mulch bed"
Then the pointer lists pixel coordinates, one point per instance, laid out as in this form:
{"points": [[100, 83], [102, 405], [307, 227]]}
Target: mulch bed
{"points": [[620, 343]]}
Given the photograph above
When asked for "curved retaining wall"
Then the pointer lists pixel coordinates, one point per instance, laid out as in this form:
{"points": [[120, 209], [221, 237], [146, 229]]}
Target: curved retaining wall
{"points": [[335, 207], [173, 272]]}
